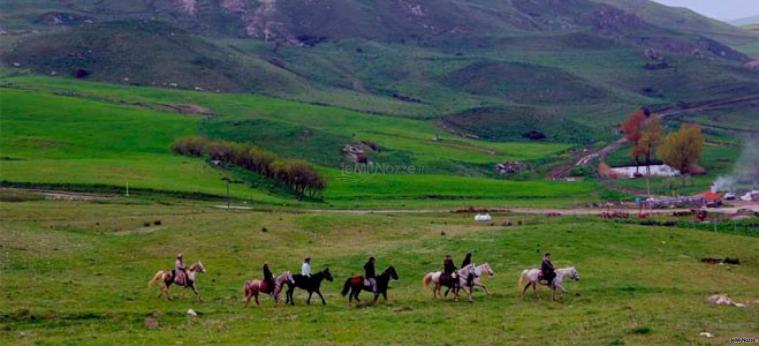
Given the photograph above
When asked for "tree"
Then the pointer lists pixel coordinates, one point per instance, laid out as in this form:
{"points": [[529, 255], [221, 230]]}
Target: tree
{"points": [[631, 129], [649, 140], [682, 149]]}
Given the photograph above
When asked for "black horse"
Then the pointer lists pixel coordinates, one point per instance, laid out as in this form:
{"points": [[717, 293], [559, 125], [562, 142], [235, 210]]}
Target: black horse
{"points": [[356, 284], [311, 284]]}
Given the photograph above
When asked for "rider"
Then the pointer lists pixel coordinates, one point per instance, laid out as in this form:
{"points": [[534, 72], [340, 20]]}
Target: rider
{"points": [[467, 261], [449, 269], [369, 274], [268, 278], [305, 269], [547, 269], [180, 270]]}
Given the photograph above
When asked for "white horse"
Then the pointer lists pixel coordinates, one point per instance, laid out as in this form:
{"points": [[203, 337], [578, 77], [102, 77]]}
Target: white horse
{"points": [[461, 275], [478, 272], [533, 279]]}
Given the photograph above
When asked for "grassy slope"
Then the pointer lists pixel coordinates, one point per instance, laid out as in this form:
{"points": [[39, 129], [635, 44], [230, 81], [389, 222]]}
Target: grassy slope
{"points": [[54, 139], [85, 140], [640, 285]]}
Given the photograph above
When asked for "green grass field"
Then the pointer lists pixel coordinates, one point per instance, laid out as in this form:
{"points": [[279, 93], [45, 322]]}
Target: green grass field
{"points": [[76, 273], [85, 134]]}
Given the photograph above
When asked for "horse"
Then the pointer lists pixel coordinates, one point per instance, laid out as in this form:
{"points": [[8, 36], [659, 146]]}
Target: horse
{"points": [[253, 287], [356, 284], [311, 284], [478, 272], [533, 277], [167, 276], [463, 281]]}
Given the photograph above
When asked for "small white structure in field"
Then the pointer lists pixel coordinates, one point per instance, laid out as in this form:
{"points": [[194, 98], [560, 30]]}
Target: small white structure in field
{"points": [[752, 196], [655, 171], [483, 217]]}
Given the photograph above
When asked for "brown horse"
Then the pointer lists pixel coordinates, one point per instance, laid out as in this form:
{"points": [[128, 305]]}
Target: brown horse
{"points": [[252, 288], [167, 276], [356, 284]]}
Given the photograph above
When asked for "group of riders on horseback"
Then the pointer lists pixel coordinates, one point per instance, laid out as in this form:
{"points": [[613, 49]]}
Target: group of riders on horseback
{"points": [[468, 276]]}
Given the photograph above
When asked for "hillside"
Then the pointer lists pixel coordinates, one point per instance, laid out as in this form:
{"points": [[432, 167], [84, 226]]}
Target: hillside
{"points": [[409, 58], [745, 21]]}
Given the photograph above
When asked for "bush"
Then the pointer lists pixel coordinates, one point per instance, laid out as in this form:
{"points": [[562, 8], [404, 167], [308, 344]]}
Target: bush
{"points": [[190, 146], [298, 175]]}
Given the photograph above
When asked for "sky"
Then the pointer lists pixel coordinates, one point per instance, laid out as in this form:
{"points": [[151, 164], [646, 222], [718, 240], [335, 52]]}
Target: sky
{"points": [[719, 9]]}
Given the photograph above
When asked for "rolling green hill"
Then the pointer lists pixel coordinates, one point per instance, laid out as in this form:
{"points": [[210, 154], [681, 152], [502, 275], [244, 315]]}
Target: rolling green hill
{"points": [[410, 58], [94, 136]]}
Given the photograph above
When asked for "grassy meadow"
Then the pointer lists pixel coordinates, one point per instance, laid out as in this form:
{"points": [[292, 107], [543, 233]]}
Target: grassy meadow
{"points": [[90, 135], [76, 273]]}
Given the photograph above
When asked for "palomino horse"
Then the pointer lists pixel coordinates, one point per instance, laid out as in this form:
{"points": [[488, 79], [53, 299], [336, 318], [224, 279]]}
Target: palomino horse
{"points": [[533, 278], [168, 278], [311, 284], [253, 287], [356, 284], [462, 276]]}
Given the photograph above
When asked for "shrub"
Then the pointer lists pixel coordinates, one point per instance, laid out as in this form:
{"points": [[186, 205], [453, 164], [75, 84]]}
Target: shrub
{"points": [[190, 146]]}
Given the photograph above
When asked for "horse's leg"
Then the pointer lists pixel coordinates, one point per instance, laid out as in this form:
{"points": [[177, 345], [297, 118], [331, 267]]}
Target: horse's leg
{"points": [[485, 288], [376, 296], [308, 301], [384, 295], [319, 292], [256, 296], [535, 290], [197, 295], [524, 290]]}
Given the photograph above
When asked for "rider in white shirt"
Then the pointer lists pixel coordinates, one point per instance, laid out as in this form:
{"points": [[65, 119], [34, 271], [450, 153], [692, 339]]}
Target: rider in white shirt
{"points": [[305, 269]]}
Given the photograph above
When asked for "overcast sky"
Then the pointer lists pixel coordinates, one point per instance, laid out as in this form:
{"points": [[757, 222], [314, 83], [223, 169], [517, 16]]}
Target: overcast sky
{"points": [[719, 9]]}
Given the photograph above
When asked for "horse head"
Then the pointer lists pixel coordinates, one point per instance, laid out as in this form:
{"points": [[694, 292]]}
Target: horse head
{"points": [[198, 267], [487, 269], [289, 277], [391, 272], [574, 274], [327, 274]]}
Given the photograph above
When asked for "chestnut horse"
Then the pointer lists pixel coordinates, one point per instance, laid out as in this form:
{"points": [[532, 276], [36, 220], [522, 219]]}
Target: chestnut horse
{"points": [[167, 276], [356, 284], [252, 288]]}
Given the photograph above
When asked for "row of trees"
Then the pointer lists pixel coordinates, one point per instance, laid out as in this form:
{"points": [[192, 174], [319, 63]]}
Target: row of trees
{"points": [[680, 150], [297, 175]]}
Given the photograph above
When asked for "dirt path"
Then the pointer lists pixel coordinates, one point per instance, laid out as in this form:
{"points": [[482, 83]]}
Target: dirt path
{"points": [[753, 206]]}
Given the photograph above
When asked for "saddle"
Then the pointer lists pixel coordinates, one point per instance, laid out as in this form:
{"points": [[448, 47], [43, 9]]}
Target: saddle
{"points": [[358, 281], [266, 287]]}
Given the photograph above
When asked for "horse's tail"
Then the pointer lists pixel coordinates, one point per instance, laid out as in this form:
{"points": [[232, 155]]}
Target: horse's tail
{"points": [[156, 278], [347, 286], [522, 277], [427, 280]]}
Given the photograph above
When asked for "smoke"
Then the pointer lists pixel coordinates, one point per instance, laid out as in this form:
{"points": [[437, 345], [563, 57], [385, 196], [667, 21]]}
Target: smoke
{"points": [[745, 173]]}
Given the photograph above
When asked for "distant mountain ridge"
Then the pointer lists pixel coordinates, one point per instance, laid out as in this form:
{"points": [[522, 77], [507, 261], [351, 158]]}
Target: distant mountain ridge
{"points": [[746, 20], [575, 59]]}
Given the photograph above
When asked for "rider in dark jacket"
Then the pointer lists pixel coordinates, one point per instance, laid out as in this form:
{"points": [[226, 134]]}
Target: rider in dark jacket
{"points": [[467, 260], [269, 278], [449, 270], [549, 273], [369, 274]]}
